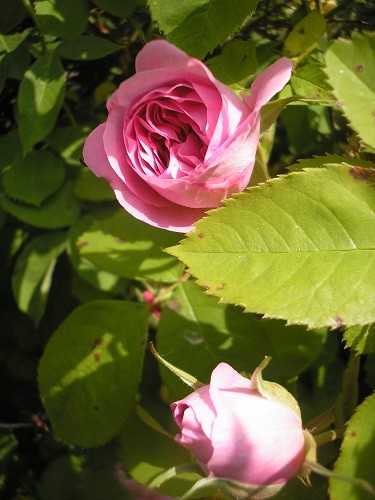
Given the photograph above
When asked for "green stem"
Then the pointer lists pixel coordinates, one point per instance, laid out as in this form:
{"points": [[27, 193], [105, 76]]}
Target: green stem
{"points": [[69, 114], [30, 9], [328, 436], [163, 294], [324, 472]]}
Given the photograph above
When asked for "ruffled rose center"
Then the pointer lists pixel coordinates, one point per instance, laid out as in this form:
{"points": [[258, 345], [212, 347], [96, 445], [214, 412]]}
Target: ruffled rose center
{"points": [[166, 134]]}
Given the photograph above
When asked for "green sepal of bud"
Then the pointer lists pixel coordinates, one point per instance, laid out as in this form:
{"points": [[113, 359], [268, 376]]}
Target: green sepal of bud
{"points": [[185, 377], [272, 390]]}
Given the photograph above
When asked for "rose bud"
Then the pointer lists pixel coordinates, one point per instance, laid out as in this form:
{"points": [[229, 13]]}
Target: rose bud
{"points": [[177, 141], [242, 430]]}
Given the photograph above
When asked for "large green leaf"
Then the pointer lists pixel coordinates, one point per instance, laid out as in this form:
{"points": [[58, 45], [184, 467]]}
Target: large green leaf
{"points": [[124, 246], [86, 47], [62, 18], [199, 26], [90, 370], [357, 454], [300, 248], [40, 98], [59, 210], [33, 271], [351, 72], [195, 327], [33, 178]]}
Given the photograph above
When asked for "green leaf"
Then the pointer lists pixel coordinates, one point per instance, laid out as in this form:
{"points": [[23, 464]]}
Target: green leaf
{"points": [[311, 81], [299, 248], [61, 479], [84, 48], [11, 149], [102, 280], [40, 98], [356, 456], [195, 326], [236, 62], [33, 271], [199, 26], [127, 247], [120, 9], [33, 178], [351, 73], [147, 453], [59, 210], [323, 161], [305, 35], [68, 142], [90, 370], [9, 43], [91, 188], [12, 13], [62, 18], [361, 338]]}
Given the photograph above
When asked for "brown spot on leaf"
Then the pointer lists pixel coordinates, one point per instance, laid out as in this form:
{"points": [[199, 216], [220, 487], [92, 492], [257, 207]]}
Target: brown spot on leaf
{"points": [[120, 240], [352, 433], [97, 357], [200, 235], [363, 174], [337, 322], [359, 68], [301, 31], [96, 407], [81, 244], [97, 343], [221, 286]]}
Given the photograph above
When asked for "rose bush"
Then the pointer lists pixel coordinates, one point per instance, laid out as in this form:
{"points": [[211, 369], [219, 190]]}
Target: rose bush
{"points": [[177, 141], [238, 433]]}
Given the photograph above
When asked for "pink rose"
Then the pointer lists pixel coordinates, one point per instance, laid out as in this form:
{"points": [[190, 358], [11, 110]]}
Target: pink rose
{"points": [[239, 434], [177, 141]]}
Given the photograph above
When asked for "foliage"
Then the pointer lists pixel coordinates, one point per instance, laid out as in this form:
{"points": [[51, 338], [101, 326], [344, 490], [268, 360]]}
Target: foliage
{"points": [[284, 269]]}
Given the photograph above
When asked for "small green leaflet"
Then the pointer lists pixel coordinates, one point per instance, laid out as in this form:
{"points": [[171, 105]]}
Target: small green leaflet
{"points": [[299, 248]]}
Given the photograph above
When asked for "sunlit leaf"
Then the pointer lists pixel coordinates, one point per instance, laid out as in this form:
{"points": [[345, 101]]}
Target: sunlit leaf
{"points": [[32, 275], [199, 26], [62, 18], [300, 248], [33, 178], [128, 247], [40, 98], [357, 452], [90, 370], [351, 72]]}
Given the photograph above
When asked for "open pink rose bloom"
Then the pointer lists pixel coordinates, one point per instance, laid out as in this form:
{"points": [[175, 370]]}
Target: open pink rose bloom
{"points": [[177, 141], [237, 433]]}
